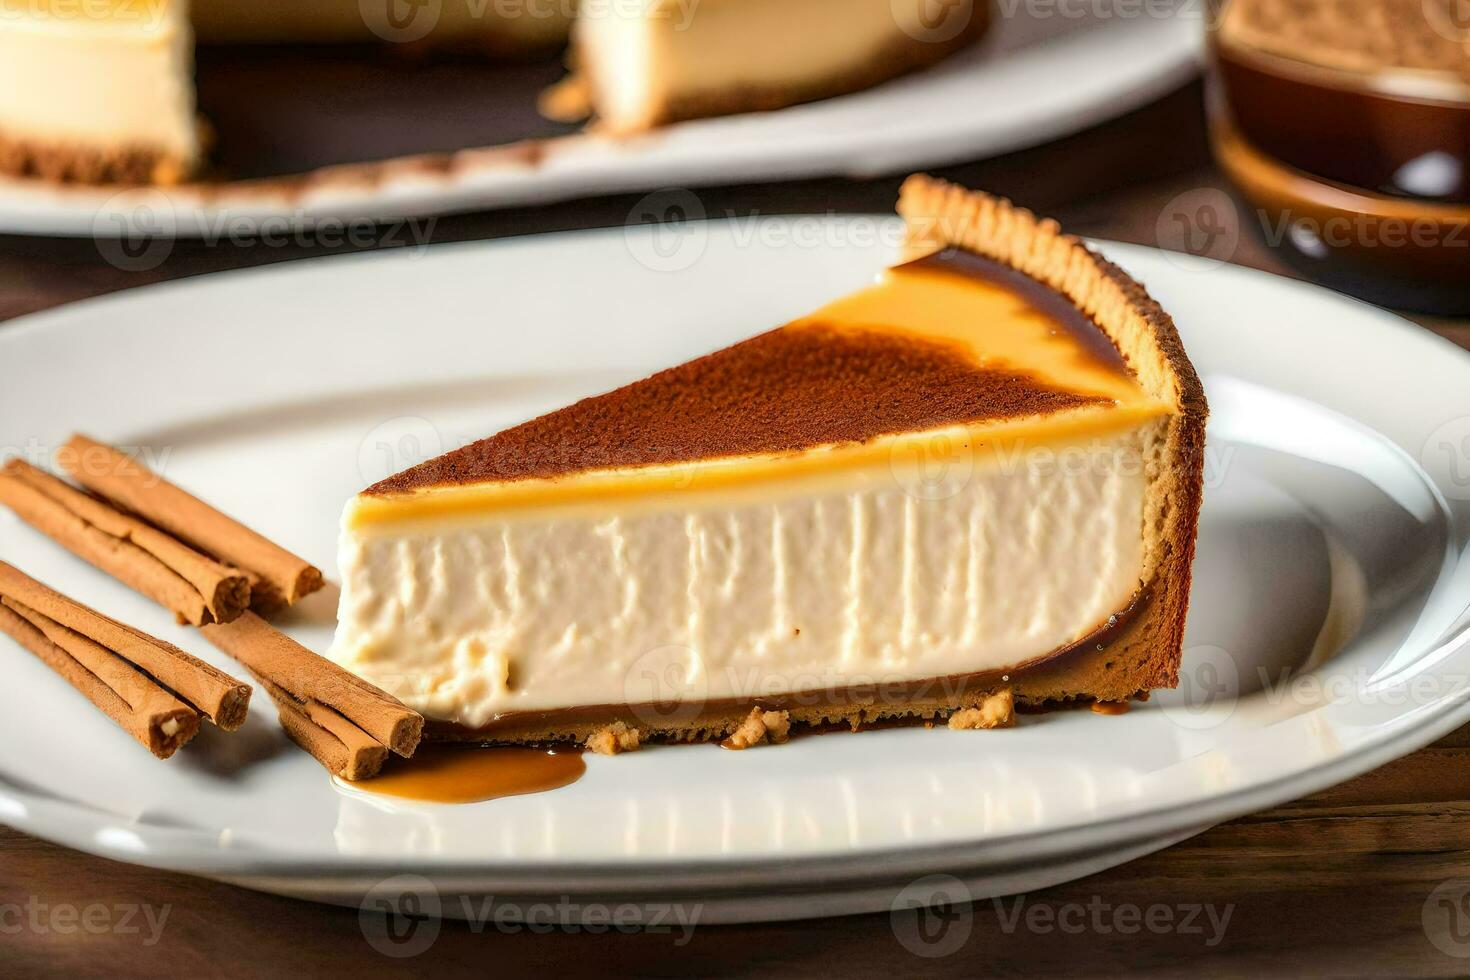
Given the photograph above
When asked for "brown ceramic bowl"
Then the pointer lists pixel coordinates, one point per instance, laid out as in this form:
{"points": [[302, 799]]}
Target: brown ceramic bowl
{"points": [[1359, 178]]}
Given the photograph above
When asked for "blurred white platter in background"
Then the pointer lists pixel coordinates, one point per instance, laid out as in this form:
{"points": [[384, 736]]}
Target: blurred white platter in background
{"points": [[1047, 69]]}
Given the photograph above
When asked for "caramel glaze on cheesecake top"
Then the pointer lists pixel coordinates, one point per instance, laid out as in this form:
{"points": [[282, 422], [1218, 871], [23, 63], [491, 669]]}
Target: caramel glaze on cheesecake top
{"points": [[787, 390]]}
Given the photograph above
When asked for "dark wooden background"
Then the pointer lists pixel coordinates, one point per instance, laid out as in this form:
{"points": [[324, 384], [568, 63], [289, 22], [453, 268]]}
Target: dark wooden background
{"points": [[1338, 883]]}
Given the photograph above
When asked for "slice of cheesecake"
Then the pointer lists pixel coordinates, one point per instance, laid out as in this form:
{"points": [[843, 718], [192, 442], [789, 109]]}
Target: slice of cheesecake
{"points": [[102, 91], [973, 483], [97, 91], [651, 62]]}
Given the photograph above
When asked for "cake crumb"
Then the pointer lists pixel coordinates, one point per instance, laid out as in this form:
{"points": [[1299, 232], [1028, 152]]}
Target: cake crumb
{"points": [[778, 726], [615, 739], [996, 711], [760, 726], [566, 101]]}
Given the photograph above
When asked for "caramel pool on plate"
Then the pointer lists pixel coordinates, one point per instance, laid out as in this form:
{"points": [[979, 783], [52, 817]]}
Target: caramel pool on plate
{"points": [[472, 774]]}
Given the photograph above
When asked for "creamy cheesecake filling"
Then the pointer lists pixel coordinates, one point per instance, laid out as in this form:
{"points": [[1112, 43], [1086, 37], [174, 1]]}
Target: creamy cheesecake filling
{"points": [[896, 574], [115, 75], [641, 56]]}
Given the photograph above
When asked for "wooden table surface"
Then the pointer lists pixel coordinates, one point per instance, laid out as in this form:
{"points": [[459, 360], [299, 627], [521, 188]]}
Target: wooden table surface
{"points": [[1340, 883]]}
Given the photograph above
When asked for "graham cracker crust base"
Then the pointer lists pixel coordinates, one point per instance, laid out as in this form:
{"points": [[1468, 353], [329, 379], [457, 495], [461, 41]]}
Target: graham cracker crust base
{"points": [[75, 163], [1117, 662], [1122, 672]]}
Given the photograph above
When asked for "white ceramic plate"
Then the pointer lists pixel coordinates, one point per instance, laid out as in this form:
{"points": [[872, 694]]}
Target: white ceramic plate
{"points": [[1332, 544], [1046, 70]]}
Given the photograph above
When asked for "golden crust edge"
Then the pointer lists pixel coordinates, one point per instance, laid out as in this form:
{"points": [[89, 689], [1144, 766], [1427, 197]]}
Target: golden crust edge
{"points": [[942, 215]]}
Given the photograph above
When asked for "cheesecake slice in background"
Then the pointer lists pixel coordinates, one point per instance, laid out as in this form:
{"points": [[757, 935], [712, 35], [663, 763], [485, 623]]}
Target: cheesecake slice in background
{"points": [[652, 62], [973, 484], [102, 91], [97, 91]]}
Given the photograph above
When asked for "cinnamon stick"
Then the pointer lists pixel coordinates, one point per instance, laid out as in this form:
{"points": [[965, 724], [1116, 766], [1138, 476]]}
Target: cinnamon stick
{"points": [[281, 578], [195, 587], [273, 655], [338, 744], [211, 691], [160, 722]]}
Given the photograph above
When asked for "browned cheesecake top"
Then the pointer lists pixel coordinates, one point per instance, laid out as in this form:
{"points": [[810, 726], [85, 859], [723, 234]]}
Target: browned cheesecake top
{"points": [[841, 375]]}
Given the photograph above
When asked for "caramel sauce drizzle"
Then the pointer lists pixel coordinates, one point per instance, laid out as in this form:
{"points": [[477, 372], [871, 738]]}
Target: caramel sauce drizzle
{"points": [[473, 774]]}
